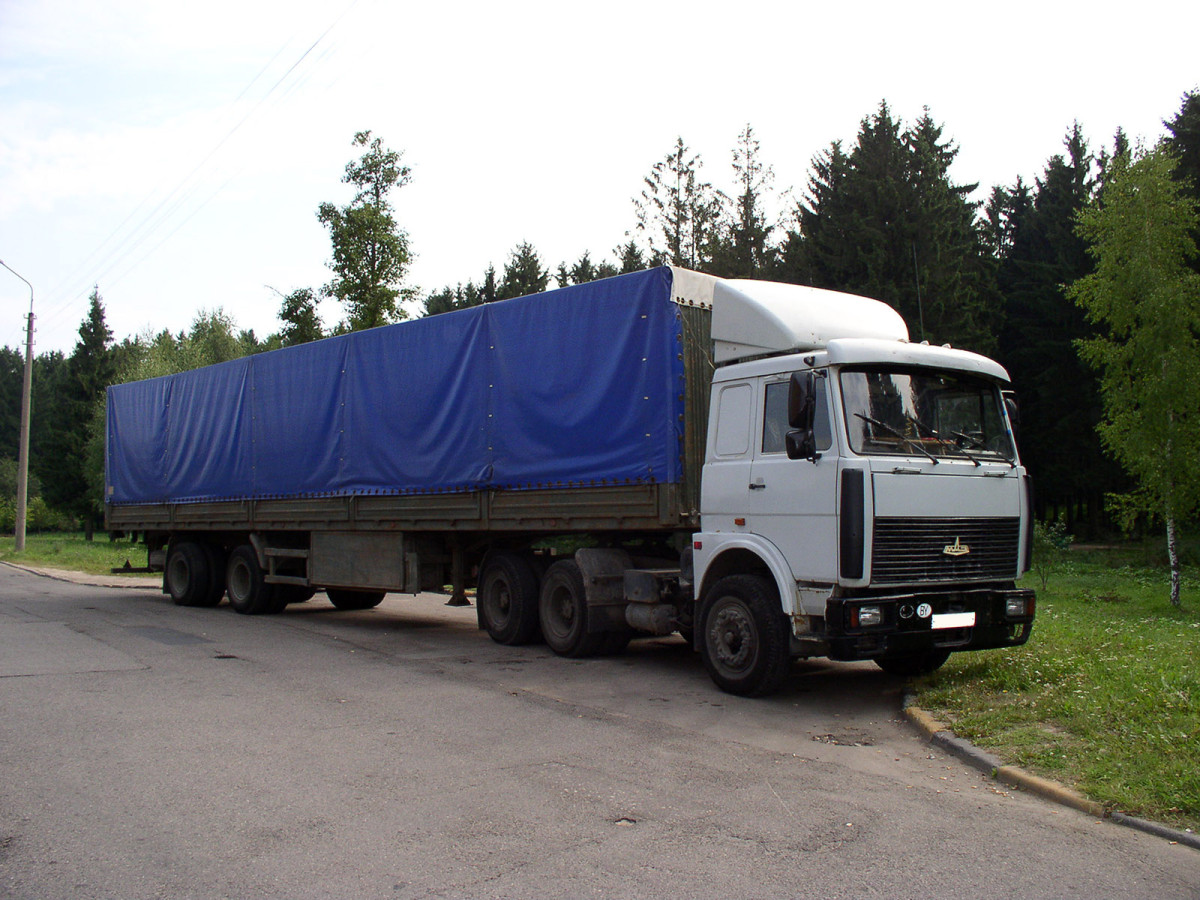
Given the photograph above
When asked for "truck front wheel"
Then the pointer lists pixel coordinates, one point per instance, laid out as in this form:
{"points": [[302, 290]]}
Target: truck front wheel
{"points": [[745, 639], [249, 594], [911, 666], [508, 599]]}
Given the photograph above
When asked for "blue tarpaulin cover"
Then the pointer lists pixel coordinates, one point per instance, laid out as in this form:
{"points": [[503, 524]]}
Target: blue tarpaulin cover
{"points": [[582, 385]]}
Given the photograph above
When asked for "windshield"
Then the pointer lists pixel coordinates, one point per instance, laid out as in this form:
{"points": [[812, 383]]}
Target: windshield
{"points": [[929, 413]]}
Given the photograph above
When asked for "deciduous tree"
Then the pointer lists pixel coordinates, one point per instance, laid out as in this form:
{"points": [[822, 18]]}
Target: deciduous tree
{"points": [[1144, 296], [370, 251], [301, 321]]}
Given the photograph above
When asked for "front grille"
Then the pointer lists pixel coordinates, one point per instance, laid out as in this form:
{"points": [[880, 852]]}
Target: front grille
{"points": [[910, 551]]}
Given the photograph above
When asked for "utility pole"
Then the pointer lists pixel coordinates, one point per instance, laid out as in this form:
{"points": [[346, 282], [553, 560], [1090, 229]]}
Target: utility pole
{"points": [[26, 402]]}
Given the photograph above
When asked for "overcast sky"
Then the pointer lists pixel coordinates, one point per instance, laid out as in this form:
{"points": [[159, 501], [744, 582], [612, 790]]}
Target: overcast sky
{"points": [[176, 154]]}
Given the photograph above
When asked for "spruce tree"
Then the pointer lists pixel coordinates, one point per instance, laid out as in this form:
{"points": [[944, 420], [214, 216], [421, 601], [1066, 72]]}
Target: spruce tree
{"points": [[743, 248], [678, 211], [1184, 142], [1059, 397], [631, 259], [886, 221], [88, 372], [523, 273]]}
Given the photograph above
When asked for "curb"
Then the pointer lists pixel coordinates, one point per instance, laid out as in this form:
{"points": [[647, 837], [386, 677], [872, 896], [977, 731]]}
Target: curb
{"points": [[939, 734], [71, 577]]}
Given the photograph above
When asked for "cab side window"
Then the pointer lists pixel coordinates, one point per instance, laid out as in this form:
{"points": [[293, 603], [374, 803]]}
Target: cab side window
{"points": [[733, 420], [775, 417]]}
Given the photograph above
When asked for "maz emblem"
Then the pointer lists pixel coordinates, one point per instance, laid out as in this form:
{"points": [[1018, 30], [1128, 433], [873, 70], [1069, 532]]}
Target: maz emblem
{"points": [[958, 548]]}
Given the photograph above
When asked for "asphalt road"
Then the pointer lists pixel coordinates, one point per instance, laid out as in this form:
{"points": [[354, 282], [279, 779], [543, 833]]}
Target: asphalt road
{"points": [[151, 751]]}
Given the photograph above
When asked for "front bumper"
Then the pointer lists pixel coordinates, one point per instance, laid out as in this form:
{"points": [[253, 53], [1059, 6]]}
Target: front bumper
{"points": [[906, 624]]}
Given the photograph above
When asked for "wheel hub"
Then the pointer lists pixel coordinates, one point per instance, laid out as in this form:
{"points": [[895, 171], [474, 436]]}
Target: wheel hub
{"points": [[733, 638]]}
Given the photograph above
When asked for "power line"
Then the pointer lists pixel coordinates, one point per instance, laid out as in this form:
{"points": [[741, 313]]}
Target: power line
{"points": [[88, 261], [188, 187]]}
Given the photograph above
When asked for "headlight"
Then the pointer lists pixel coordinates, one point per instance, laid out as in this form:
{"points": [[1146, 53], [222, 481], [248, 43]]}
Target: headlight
{"points": [[1018, 607], [866, 616]]}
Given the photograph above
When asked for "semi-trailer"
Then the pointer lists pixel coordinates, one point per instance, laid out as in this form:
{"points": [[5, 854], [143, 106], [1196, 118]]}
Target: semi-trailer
{"points": [[773, 471]]}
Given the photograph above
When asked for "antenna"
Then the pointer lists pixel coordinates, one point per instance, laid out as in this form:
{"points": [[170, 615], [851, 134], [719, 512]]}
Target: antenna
{"points": [[917, 281]]}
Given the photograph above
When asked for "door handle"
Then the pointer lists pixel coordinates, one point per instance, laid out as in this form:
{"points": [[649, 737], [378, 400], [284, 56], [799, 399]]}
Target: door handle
{"points": [[758, 487]]}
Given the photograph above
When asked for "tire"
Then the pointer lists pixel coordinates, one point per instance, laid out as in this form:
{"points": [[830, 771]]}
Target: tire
{"points": [[189, 576], [562, 608], [745, 642], [507, 600], [616, 642], [911, 666], [248, 593], [349, 599], [295, 593], [216, 565]]}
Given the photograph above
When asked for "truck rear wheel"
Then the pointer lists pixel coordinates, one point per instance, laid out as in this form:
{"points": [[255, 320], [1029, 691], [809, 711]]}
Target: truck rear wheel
{"points": [[562, 606], [249, 594], [745, 638], [916, 664], [190, 577], [507, 599], [349, 599]]}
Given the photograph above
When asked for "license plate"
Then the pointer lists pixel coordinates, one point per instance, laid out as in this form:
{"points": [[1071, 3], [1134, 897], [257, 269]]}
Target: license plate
{"points": [[954, 620]]}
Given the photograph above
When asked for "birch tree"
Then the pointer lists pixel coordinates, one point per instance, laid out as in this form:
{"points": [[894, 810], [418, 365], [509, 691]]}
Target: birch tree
{"points": [[1145, 299]]}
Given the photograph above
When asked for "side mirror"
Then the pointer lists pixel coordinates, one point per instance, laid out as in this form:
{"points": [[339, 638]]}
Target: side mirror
{"points": [[1014, 413], [802, 406], [801, 445]]}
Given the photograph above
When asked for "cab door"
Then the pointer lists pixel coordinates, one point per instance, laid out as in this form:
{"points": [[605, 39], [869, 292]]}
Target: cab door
{"points": [[793, 502]]}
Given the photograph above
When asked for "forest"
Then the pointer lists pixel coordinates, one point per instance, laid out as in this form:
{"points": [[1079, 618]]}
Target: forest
{"points": [[1016, 275]]}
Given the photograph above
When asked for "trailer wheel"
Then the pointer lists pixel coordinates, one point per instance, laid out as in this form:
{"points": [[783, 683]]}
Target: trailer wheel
{"points": [[745, 639], [562, 605], [249, 594], [507, 599], [348, 599], [911, 666], [189, 574], [295, 593], [216, 567]]}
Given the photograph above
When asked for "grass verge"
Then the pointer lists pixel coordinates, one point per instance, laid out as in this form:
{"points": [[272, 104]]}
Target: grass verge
{"points": [[73, 552], [1105, 697]]}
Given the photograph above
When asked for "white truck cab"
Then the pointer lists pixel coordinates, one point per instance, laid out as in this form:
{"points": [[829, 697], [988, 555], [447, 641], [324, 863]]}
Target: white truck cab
{"points": [[868, 485]]}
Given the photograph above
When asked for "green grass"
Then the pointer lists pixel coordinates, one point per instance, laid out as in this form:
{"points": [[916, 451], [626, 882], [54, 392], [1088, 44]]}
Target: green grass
{"points": [[73, 552], [1105, 697]]}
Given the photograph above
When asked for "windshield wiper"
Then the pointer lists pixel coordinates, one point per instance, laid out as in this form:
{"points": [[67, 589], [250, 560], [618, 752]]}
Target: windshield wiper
{"points": [[942, 441], [975, 442], [888, 428], [945, 442]]}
